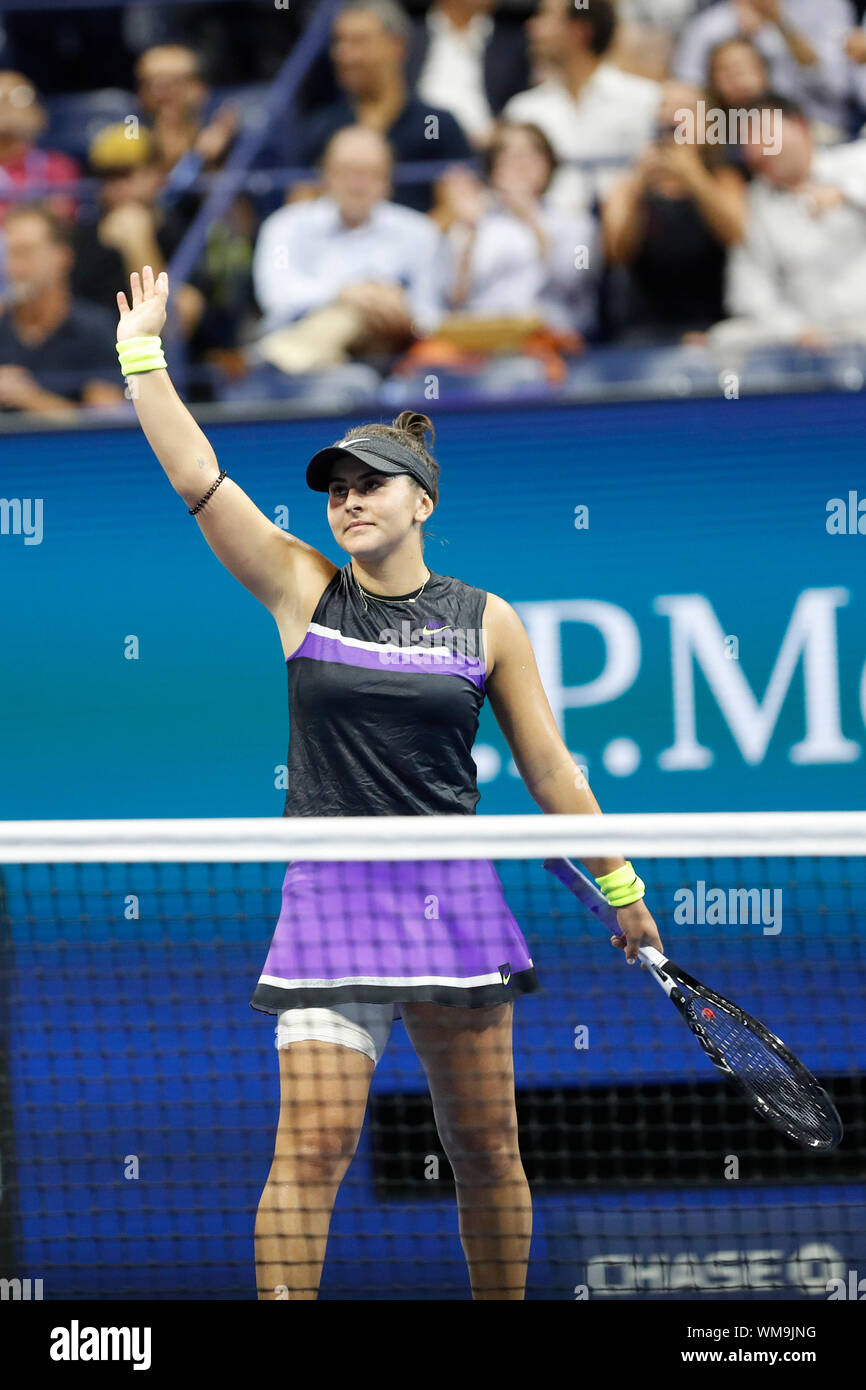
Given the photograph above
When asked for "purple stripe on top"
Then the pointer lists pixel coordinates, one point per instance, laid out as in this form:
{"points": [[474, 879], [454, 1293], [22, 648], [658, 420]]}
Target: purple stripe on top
{"points": [[442, 660]]}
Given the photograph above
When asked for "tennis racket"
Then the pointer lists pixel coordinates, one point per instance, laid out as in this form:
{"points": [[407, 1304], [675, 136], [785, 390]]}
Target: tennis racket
{"points": [[778, 1086]]}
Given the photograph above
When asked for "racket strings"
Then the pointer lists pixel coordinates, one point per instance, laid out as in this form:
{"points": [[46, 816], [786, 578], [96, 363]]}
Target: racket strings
{"points": [[785, 1093]]}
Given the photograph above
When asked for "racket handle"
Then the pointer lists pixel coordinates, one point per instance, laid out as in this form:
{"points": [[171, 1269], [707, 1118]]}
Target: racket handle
{"points": [[650, 956], [587, 891], [655, 963]]}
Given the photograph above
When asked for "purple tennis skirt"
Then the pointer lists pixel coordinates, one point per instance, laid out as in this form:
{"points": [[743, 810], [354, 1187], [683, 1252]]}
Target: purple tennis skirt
{"points": [[373, 932]]}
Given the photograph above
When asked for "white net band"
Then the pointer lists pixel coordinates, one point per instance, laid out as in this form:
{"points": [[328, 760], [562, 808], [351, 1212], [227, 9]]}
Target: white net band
{"points": [[273, 838]]}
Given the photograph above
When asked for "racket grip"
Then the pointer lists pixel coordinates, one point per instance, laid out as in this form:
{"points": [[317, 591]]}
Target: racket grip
{"points": [[650, 956], [586, 890], [655, 963]]}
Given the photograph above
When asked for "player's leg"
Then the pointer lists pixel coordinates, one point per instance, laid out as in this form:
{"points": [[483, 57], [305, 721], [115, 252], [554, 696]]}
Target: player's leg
{"points": [[327, 1058], [467, 1057]]}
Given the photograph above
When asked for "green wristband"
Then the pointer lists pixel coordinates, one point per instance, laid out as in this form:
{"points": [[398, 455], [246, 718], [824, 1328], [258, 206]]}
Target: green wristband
{"points": [[622, 886], [143, 354]]}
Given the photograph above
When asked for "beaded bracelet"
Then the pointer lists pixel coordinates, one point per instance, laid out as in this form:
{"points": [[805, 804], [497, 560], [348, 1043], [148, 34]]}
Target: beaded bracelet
{"points": [[622, 886], [210, 492]]}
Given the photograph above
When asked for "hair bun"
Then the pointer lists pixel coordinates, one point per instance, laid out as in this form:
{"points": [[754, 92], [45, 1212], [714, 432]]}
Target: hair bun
{"points": [[412, 422]]}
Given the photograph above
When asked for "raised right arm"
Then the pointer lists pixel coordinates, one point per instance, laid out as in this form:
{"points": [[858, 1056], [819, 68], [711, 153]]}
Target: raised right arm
{"points": [[275, 566]]}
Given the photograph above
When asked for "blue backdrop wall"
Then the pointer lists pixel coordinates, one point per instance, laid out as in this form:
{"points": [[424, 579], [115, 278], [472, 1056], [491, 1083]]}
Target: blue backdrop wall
{"points": [[700, 631]]}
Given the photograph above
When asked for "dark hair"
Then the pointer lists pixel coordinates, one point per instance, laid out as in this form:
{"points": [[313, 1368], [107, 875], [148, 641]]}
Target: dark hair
{"points": [[410, 428], [773, 101], [199, 63], [601, 18], [734, 40], [503, 128], [58, 228], [392, 17]]}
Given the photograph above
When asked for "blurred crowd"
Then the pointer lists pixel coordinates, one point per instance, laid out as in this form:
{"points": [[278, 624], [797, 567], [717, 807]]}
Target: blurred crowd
{"points": [[452, 185]]}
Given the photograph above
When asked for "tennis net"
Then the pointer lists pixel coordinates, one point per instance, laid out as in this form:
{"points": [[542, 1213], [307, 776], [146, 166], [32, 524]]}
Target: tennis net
{"points": [[139, 1092]]}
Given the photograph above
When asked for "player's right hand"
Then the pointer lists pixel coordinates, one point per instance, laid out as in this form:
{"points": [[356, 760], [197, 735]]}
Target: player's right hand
{"points": [[638, 929], [149, 298]]}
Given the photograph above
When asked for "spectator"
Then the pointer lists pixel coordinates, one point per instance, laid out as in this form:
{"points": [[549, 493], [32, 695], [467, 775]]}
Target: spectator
{"points": [[149, 198], [738, 75], [803, 42], [646, 34], [130, 229], [738, 80], [22, 164], [353, 272], [513, 252], [670, 222], [590, 110], [56, 353], [467, 61], [800, 275], [118, 234], [369, 45], [173, 95]]}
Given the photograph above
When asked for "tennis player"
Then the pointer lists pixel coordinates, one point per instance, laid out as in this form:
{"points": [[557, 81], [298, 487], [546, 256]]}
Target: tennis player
{"points": [[382, 724]]}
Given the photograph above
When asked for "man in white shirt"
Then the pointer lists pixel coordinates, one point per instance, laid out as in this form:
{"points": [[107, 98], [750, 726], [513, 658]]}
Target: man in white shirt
{"points": [[453, 72], [802, 42], [469, 62], [349, 271], [799, 276], [590, 110]]}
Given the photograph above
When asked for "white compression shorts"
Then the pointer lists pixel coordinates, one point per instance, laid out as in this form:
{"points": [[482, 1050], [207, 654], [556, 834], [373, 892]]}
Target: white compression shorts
{"points": [[364, 1027]]}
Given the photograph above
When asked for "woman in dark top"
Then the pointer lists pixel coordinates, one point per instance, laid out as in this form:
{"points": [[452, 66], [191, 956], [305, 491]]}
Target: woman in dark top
{"points": [[738, 79], [669, 222], [388, 664], [737, 75]]}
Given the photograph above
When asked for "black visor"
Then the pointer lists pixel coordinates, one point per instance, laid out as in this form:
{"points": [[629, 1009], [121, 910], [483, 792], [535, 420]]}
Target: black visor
{"points": [[385, 455]]}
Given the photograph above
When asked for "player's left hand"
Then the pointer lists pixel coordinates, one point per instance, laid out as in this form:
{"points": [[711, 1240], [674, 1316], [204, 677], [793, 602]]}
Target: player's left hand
{"points": [[638, 928], [149, 298]]}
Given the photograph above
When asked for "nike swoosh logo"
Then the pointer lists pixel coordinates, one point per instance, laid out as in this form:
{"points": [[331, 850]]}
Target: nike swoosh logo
{"points": [[437, 629]]}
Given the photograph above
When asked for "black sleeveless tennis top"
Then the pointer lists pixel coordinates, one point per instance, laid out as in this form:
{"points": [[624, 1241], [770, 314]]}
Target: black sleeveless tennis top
{"points": [[384, 699]]}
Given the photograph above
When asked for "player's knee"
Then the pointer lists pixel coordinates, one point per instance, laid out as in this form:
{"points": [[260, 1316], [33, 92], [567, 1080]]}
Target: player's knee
{"points": [[479, 1157], [316, 1155]]}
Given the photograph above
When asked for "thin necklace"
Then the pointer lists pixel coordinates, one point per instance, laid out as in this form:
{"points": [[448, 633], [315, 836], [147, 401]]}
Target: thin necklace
{"points": [[365, 593]]}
